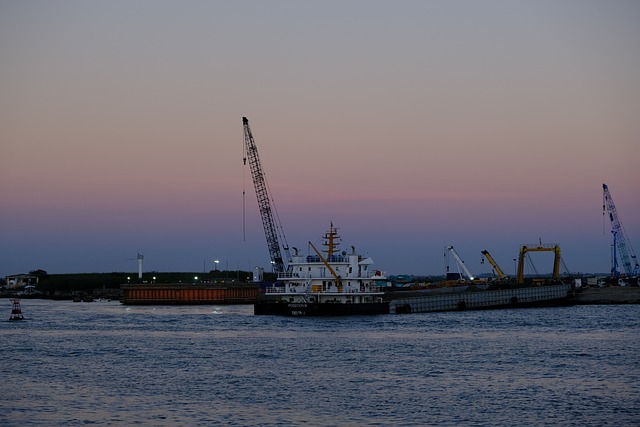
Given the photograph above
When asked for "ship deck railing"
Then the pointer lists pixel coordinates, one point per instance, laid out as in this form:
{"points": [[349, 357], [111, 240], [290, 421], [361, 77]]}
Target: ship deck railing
{"points": [[369, 275], [301, 290]]}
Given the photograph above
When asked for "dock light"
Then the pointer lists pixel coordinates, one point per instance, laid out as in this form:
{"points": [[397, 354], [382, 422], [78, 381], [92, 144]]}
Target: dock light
{"points": [[196, 278], [216, 262]]}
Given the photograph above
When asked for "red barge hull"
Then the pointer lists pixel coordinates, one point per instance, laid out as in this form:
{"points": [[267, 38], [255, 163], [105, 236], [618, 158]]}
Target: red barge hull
{"points": [[189, 294]]}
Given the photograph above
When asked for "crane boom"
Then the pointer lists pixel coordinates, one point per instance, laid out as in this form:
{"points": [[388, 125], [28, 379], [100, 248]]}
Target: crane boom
{"points": [[269, 220], [493, 263], [331, 270], [620, 241], [460, 262]]}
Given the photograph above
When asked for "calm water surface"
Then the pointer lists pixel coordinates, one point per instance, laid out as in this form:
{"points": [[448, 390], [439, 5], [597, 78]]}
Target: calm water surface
{"points": [[104, 363]]}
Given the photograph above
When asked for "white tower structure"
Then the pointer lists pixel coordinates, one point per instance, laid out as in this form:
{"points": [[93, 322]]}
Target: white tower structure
{"points": [[140, 258], [258, 274]]}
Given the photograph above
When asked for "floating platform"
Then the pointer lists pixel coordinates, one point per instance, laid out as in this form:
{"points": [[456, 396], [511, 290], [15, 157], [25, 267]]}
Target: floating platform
{"points": [[609, 295], [189, 294], [472, 298]]}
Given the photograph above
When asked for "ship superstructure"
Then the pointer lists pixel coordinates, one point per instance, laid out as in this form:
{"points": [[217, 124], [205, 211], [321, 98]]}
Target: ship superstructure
{"points": [[327, 282]]}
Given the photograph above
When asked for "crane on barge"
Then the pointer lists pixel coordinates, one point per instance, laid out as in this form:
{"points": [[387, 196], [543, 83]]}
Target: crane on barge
{"points": [[620, 242], [270, 220], [460, 263], [493, 263]]}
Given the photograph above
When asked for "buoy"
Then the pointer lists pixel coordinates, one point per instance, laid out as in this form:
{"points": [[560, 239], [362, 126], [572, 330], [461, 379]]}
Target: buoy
{"points": [[16, 311]]}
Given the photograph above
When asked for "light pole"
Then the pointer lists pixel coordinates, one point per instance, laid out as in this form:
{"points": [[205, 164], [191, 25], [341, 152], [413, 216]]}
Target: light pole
{"points": [[215, 263]]}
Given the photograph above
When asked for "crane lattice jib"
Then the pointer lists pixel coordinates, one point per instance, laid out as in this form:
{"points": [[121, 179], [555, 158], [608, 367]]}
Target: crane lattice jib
{"points": [[264, 203], [627, 255]]}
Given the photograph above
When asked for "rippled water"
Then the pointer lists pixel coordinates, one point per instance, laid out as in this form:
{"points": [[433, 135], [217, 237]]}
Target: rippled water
{"points": [[104, 363]]}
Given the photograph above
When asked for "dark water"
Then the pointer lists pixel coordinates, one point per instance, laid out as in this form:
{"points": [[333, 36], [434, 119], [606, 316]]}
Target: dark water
{"points": [[104, 363]]}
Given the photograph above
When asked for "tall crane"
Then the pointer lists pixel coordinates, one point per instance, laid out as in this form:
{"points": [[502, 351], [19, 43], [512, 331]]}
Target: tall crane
{"points": [[460, 263], [270, 220], [620, 241]]}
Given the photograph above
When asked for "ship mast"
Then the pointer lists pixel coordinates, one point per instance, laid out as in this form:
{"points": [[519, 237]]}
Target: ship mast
{"points": [[331, 241]]}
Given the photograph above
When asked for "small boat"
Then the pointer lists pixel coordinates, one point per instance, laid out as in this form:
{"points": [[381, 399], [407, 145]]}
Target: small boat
{"points": [[332, 283], [16, 311]]}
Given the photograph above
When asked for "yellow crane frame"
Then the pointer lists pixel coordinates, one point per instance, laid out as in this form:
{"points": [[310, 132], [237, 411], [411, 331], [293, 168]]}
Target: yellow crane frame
{"points": [[540, 248]]}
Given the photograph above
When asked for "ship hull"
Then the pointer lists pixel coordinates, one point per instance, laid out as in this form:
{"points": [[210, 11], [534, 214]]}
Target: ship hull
{"points": [[282, 308], [188, 294]]}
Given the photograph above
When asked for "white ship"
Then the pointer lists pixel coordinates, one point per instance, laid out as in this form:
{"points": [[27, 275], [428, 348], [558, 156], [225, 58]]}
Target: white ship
{"points": [[332, 283]]}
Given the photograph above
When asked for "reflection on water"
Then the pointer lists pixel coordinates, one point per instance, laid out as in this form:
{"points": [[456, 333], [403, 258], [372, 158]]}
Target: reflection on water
{"points": [[104, 363]]}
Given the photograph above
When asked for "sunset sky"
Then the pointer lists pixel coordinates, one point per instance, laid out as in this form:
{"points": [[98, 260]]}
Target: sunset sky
{"points": [[412, 125]]}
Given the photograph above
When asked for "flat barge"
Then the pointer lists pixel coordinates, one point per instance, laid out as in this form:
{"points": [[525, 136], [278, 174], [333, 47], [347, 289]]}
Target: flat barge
{"points": [[480, 298], [609, 295], [189, 294]]}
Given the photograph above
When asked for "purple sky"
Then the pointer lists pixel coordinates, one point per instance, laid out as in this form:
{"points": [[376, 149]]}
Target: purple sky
{"points": [[411, 125]]}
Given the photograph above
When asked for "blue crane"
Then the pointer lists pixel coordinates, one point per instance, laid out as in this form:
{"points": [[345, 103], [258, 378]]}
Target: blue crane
{"points": [[621, 243]]}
